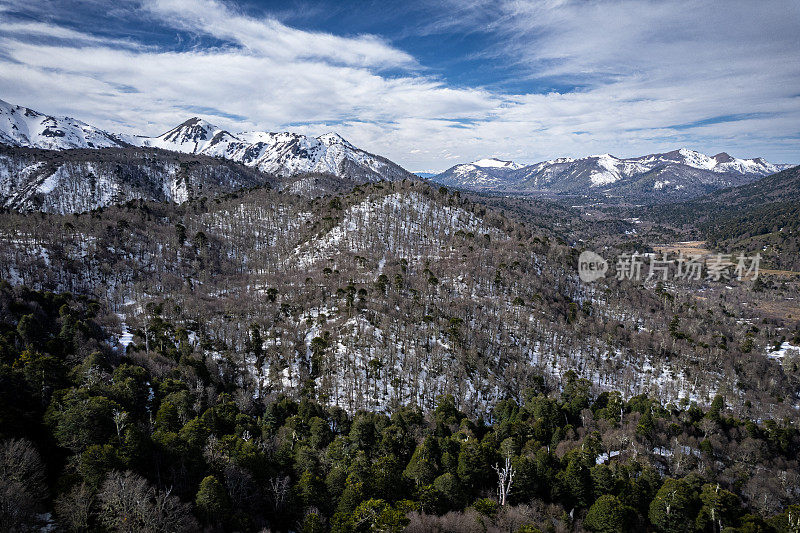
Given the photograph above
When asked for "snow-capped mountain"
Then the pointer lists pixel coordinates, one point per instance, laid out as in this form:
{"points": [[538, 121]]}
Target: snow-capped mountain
{"points": [[284, 154], [193, 136], [490, 173], [677, 174], [20, 126]]}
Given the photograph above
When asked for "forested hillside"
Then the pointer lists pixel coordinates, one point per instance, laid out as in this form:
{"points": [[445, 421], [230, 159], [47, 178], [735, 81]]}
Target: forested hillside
{"points": [[74, 181], [337, 357], [162, 438], [228, 305], [394, 294], [763, 216]]}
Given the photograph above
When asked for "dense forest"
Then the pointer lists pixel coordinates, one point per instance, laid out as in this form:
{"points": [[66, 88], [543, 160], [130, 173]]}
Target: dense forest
{"points": [[159, 437]]}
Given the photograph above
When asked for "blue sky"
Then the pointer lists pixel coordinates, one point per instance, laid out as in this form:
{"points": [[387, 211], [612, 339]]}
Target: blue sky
{"points": [[427, 84]]}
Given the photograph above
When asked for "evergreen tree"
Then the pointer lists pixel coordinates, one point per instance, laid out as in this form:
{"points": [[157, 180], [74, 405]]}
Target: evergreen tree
{"points": [[423, 468], [212, 500], [608, 515], [673, 508]]}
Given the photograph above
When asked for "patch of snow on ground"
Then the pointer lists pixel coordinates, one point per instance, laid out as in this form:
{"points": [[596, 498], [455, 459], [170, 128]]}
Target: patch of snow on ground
{"points": [[786, 349]]}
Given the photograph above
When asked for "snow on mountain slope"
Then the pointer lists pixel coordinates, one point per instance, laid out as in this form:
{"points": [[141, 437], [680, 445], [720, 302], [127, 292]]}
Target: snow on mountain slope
{"points": [[611, 169], [394, 222], [677, 174], [195, 136], [80, 180], [284, 154], [72, 181], [20, 126], [489, 173], [720, 163]]}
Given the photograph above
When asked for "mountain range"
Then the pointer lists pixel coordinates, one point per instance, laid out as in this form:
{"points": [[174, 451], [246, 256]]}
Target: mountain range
{"points": [[679, 174], [45, 181], [282, 154], [20, 126], [235, 313]]}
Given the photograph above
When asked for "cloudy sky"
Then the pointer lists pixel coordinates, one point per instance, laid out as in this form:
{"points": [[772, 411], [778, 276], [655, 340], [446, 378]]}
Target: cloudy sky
{"points": [[427, 84]]}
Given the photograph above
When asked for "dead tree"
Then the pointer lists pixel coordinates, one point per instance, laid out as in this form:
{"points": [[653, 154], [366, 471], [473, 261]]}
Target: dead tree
{"points": [[505, 479]]}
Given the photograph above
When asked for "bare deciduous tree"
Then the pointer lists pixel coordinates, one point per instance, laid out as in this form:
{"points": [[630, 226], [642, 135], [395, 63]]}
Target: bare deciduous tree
{"points": [[22, 485], [279, 488], [129, 504], [505, 479], [74, 508]]}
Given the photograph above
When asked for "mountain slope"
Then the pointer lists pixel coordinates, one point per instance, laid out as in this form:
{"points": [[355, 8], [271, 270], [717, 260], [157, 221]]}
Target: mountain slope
{"points": [[73, 181], [391, 293], [679, 174], [484, 174], [762, 216], [20, 126], [193, 136], [781, 187]]}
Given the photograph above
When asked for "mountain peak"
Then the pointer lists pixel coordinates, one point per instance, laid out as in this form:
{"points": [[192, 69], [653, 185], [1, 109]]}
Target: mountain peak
{"points": [[493, 162], [332, 138], [196, 121], [22, 126], [192, 135], [195, 128], [282, 154]]}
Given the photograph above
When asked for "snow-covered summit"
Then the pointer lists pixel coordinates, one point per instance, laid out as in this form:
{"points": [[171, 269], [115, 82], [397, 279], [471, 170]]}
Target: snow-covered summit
{"points": [[192, 136], [21, 126], [484, 173], [721, 163], [332, 138], [493, 162], [282, 153]]}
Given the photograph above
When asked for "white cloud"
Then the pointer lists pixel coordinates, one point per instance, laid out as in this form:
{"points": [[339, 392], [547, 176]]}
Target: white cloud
{"points": [[270, 38], [644, 67]]}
